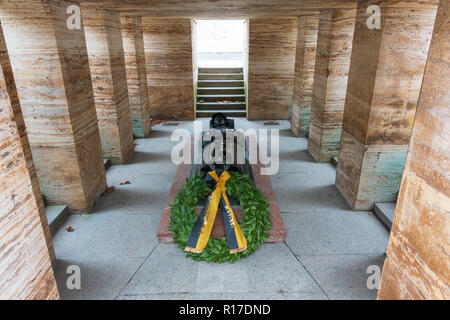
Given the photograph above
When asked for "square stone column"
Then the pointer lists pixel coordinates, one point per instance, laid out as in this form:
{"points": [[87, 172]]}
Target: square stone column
{"points": [[25, 265], [107, 65], [51, 73], [305, 61], [271, 64], [20, 123], [168, 58], [384, 83], [334, 49], [418, 256], [133, 47]]}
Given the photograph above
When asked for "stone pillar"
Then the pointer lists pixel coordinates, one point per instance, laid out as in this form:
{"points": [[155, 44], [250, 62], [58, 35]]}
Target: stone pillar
{"points": [[194, 58], [133, 47], [107, 65], [334, 49], [384, 83], [168, 56], [51, 73], [418, 257], [245, 63], [25, 265], [305, 61], [20, 123], [271, 64]]}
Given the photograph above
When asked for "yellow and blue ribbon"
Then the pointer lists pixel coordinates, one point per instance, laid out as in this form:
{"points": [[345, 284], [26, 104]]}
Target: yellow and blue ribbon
{"points": [[201, 231]]}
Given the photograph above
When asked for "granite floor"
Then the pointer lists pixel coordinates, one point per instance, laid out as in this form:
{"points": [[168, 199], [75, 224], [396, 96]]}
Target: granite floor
{"points": [[325, 256]]}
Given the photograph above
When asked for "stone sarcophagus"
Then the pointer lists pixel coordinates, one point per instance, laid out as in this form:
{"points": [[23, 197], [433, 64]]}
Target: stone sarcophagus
{"points": [[224, 148]]}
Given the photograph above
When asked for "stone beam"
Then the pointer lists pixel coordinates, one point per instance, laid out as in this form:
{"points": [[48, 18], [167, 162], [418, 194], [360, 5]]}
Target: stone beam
{"points": [[305, 60], [51, 73], [168, 56], [418, 256], [108, 73], [241, 9], [194, 58], [271, 64], [384, 83], [25, 265], [334, 49], [133, 47]]}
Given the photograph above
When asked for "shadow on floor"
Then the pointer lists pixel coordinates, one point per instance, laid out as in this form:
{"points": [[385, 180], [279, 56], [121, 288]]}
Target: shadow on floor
{"points": [[99, 278], [328, 196], [286, 133], [298, 155], [133, 201], [143, 157], [155, 133], [319, 198]]}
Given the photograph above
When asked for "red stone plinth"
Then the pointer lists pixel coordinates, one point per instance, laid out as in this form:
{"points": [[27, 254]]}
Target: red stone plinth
{"points": [[276, 234]]}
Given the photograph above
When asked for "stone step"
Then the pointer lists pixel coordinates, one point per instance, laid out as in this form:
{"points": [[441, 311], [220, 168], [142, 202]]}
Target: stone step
{"points": [[220, 76], [220, 83], [221, 106], [227, 113], [334, 161], [220, 97], [56, 217], [385, 212], [220, 70], [221, 90], [107, 163]]}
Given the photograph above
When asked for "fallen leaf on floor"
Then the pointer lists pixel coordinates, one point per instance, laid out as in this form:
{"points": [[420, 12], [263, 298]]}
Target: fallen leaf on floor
{"points": [[69, 229], [201, 101], [125, 182], [110, 189]]}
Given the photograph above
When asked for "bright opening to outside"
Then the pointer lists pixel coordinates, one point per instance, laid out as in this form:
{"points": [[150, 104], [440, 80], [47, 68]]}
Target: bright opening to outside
{"points": [[220, 43]]}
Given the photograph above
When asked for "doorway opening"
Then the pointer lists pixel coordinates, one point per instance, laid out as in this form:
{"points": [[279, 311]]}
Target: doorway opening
{"points": [[220, 58]]}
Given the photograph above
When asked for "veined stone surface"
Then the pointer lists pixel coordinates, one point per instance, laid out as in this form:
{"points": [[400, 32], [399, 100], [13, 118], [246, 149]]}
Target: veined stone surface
{"points": [[133, 47], [305, 61], [194, 59], [334, 49], [51, 73], [25, 266], [272, 46], [384, 83], [375, 165], [418, 259], [168, 56], [107, 65], [216, 10], [20, 123]]}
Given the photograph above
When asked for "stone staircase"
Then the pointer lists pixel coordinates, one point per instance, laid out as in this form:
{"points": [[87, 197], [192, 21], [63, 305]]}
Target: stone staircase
{"points": [[221, 90]]}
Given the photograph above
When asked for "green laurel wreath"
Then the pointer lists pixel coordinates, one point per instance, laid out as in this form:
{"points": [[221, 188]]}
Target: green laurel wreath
{"points": [[254, 225]]}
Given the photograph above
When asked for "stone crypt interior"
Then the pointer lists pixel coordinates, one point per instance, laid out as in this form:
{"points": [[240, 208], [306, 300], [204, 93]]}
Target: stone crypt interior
{"points": [[87, 114]]}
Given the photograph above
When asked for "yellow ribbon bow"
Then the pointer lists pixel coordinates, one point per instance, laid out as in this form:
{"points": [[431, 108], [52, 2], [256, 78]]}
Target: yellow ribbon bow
{"points": [[202, 229]]}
